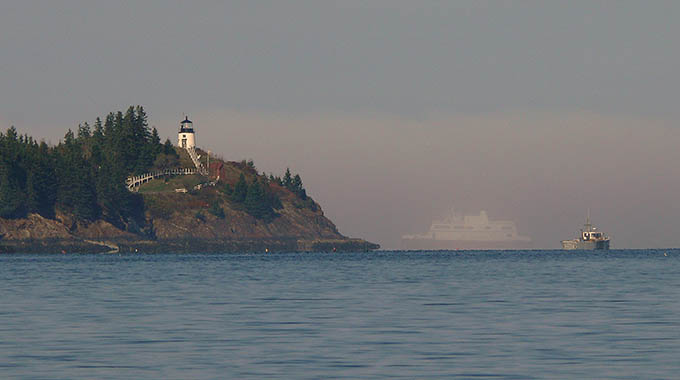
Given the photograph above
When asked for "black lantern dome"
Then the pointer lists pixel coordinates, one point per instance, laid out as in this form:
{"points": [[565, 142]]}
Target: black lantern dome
{"points": [[186, 126]]}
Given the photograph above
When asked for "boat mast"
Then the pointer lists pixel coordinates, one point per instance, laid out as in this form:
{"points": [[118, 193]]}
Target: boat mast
{"points": [[588, 225]]}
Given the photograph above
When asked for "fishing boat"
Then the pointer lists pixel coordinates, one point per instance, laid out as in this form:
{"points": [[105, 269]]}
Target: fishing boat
{"points": [[589, 239]]}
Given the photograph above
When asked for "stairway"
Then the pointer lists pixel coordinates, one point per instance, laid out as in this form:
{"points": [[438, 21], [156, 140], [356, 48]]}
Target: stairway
{"points": [[197, 162]]}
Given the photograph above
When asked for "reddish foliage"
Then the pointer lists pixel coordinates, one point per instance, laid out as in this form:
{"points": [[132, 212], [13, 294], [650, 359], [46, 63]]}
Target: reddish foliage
{"points": [[196, 204]]}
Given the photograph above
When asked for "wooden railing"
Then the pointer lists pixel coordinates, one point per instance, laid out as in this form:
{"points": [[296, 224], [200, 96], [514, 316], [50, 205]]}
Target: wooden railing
{"points": [[197, 162], [135, 181]]}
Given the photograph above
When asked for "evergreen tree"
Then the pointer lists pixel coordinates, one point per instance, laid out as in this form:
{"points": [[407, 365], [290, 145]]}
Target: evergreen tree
{"points": [[143, 141], [12, 174], [272, 200], [84, 131], [98, 131], [85, 173], [296, 187], [216, 209], [111, 192], [10, 149], [296, 183], [287, 180], [11, 196], [169, 149], [255, 202], [86, 206], [109, 129], [240, 190], [156, 146], [76, 191], [97, 157], [41, 185], [166, 161]]}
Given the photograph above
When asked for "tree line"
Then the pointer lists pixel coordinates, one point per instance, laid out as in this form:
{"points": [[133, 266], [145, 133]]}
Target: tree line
{"points": [[85, 173], [254, 197], [292, 183]]}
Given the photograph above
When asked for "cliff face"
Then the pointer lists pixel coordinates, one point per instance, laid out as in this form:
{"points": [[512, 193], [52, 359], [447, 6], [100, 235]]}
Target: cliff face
{"points": [[62, 234], [205, 217], [33, 227], [290, 223], [63, 227]]}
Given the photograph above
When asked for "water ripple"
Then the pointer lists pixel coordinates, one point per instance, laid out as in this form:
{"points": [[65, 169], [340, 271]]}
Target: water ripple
{"points": [[502, 314]]}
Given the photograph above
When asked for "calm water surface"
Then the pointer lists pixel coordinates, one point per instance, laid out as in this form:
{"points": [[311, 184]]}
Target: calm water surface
{"points": [[514, 315]]}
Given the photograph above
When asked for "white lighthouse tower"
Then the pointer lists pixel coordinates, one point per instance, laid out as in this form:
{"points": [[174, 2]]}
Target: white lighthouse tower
{"points": [[186, 138]]}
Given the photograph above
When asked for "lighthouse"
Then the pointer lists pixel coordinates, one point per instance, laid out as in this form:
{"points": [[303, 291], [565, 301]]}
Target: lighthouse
{"points": [[186, 138]]}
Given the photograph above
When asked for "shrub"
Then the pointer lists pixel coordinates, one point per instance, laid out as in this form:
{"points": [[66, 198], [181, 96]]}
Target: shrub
{"points": [[216, 210], [199, 215]]}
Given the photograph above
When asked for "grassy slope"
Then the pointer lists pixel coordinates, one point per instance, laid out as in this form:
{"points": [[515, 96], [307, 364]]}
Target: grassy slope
{"points": [[184, 159], [176, 213], [169, 184]]}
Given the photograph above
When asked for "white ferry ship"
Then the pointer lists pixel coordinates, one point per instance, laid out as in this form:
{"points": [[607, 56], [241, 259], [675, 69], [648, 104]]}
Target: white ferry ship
{"points": [[474, 232]]}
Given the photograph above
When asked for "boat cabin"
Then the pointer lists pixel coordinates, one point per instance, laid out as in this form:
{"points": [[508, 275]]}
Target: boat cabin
{"points": [[594, 235]]}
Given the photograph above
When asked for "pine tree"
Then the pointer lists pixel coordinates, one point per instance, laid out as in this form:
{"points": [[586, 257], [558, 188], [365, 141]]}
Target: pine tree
{"points": [[287, 180], [168, 148], [76, 191], [85, 173], [109, 128], [216, 209], [11, 197], [296, 187], [85, 207], [272, 200], [296, 184], [240, 190], [156, 145], [41, 186], [166, 161], [84, 131], [255, 202], [98, 130], [145, 148]]}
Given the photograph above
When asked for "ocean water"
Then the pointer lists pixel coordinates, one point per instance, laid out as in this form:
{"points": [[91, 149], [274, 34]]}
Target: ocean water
{"points": [[498, 315]]}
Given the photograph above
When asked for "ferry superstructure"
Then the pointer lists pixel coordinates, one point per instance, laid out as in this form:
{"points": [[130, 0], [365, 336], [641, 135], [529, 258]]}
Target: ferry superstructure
{"points": [[474, 232]]}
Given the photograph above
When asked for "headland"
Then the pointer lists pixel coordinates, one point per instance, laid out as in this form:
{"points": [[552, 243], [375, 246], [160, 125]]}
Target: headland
{"points": [[114, 187]]}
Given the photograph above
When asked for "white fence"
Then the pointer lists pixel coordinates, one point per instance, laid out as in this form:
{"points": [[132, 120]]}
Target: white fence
{"points": [[136, 181]]}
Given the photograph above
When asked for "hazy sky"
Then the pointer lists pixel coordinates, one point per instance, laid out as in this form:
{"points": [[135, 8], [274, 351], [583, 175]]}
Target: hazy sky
{"points": [[391, 111]]}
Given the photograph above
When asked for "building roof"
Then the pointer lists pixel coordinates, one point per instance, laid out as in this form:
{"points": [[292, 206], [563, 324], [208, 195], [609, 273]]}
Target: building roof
{"points": [[186, 120]]}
